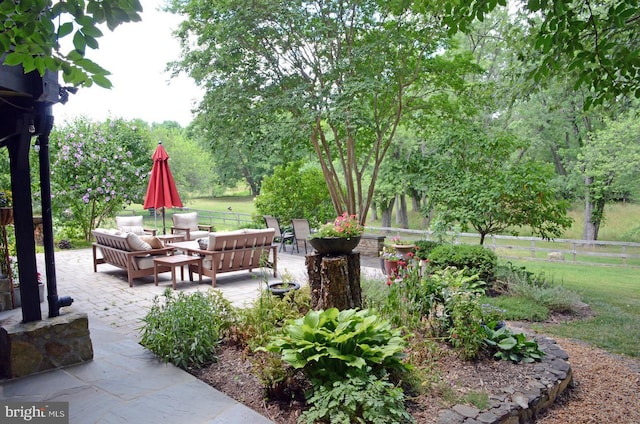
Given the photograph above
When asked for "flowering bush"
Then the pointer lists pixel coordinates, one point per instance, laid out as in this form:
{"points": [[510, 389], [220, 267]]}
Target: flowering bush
{"points": [[345, 226], [97, 168], [5, 199]]}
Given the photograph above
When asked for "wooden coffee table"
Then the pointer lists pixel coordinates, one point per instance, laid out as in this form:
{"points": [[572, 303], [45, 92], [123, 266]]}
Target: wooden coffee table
{"points": [[175, 261]]}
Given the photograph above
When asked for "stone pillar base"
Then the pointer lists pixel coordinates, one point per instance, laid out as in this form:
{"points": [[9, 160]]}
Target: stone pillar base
{"points": [[29, 348]]}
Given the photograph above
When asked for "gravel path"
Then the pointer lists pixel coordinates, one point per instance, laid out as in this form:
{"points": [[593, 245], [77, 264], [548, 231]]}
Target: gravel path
{"points": [[607, 388]]}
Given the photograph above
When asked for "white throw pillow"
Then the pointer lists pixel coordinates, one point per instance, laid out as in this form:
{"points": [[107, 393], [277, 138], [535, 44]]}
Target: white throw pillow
{"points": [[136, 243]]}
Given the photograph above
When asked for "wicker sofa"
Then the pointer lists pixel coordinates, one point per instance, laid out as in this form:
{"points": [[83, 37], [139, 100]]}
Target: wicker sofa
{"points": [[129, 252]]}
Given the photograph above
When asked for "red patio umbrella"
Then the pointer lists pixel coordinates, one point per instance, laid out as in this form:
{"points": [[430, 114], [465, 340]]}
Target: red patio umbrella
{"points": [[162, 192]]}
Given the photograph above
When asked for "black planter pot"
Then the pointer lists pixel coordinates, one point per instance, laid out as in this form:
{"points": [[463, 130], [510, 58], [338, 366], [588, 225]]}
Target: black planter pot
{"points": [[280, 289], [334, 245]]}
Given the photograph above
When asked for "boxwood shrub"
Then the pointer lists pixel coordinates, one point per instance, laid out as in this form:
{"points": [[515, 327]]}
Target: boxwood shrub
{"points": [[474, 259], [424, 247]]}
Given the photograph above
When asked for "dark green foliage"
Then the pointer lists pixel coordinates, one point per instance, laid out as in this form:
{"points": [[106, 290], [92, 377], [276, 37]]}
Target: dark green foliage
{"points": [[327, 345], [593, 44], [32, 31], [466, 334], [510, 346], [424, 247], [472, 259], [186, 328], [360, 398], [294, 191]]}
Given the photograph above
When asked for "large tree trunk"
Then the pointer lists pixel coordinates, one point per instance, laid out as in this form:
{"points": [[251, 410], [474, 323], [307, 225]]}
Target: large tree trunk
{"points": [[386, 213], [402, 218], [374, 211], [334, 281], [416, 202], [592, 210]]}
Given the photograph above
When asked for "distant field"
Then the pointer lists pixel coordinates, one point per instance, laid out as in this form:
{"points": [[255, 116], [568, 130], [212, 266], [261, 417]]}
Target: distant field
{"points": [[622, 220]]}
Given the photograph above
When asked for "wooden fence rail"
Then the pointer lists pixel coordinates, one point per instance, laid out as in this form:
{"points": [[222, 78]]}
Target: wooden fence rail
{"points": [[578, 251]]}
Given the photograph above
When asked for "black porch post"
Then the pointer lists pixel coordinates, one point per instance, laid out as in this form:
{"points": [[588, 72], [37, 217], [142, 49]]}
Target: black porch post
{"points": [[19, 145]]}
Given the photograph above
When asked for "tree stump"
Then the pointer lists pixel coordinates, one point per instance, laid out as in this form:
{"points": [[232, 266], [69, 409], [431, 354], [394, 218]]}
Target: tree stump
{"points": [[334, 281]]}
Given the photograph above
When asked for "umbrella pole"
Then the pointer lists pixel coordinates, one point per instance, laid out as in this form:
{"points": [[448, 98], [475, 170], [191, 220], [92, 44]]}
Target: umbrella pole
{"points": [[164, 225]]}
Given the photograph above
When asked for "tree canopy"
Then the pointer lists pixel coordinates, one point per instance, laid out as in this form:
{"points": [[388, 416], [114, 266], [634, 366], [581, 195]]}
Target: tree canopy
{"points": [[597, 43], [32, 32], [342, 74]]}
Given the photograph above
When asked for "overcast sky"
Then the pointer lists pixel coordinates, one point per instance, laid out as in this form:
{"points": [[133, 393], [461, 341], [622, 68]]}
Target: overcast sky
{"points": [[136, 54]]}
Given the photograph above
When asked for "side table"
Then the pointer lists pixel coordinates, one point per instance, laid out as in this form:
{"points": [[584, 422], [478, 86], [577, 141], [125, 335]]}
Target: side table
{"points": [[170, 238], [175, 261]]}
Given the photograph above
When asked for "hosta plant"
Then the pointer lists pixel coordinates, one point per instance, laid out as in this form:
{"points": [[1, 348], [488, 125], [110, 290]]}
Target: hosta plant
{"points": [[327, 345], [511, 346]]}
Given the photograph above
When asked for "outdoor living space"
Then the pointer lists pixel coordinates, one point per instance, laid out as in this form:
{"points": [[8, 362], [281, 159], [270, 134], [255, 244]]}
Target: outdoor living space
{"points": [[125, 382]]}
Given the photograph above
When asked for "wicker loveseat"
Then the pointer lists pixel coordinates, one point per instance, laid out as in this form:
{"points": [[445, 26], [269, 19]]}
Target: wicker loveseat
{"points": [[129, 252]]}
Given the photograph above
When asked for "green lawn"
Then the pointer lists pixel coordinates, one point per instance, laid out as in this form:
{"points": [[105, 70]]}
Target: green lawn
{"points": [[614, 296]]}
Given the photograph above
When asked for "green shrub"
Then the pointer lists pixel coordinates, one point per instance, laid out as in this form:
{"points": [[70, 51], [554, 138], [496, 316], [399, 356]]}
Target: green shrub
{"points": [[267, 314], [507, 274], [473, 259], [360, 398], [424, 247], [326, 345], [186, 329], [466, 334], [293, 191], [405, 302], [441, 289]]}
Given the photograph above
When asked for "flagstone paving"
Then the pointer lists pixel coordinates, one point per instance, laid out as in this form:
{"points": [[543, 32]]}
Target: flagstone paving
{"points": [[125, 383]]}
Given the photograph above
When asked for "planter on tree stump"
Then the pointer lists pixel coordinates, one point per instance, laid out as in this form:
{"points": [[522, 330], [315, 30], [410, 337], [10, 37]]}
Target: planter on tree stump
{"points": [[334, 281], [334, 245]]}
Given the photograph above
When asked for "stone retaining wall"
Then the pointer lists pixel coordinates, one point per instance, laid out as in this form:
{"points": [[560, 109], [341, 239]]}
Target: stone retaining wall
{"points": [[29, 348], [520, 405], [370, 245]]}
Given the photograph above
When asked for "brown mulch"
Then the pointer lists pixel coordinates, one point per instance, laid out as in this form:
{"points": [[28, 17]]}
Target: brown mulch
{"points": [[606, 386]]}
